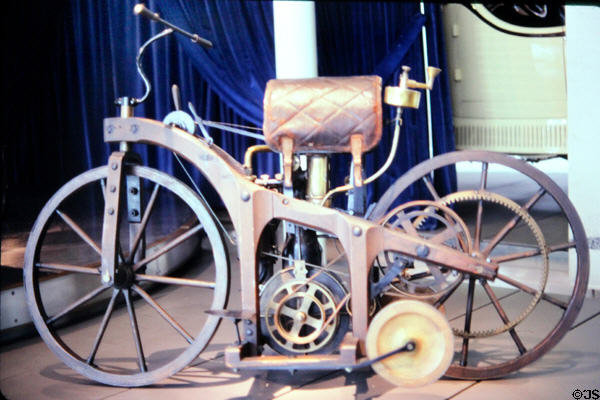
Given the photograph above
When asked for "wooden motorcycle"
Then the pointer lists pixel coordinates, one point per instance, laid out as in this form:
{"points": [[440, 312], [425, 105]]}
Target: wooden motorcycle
{"points": [[321, 288]]}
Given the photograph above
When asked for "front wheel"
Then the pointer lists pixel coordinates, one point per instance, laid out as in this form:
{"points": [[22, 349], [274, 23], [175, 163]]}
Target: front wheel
{"points": [[149, 322], [520, 219]]}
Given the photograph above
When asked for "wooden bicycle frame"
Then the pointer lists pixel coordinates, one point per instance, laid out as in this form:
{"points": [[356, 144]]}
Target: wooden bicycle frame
{"points": [[251, 207]]}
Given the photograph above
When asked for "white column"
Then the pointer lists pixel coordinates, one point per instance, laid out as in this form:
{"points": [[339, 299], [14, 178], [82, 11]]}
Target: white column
{"points": [[583, 89], [295, 39]]}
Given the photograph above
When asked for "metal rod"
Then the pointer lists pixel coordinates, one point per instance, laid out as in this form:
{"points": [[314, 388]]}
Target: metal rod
{"points": [[206, 204], [140, 9], [409, 346], [232, 129], [427, 94], [138, 63], [384, 167]]}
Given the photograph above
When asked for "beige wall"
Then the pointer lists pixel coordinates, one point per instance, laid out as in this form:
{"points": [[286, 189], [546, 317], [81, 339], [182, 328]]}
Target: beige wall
{"points": [[583, 92]]}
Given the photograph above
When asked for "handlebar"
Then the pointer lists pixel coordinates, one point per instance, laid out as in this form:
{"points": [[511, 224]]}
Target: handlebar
{"points": [[127, 103], [140, 9]]}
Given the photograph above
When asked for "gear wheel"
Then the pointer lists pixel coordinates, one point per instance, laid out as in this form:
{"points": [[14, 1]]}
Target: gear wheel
{"points": [[419, 280], [299, 314], [520, 215]]}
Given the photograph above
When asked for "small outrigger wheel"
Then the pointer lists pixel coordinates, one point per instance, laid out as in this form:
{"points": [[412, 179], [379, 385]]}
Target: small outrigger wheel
{"points": [[406, 321]]}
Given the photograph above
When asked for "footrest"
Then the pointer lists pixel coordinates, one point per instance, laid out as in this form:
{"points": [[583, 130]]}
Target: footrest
{"points": [[231, 314], [347, 358]]}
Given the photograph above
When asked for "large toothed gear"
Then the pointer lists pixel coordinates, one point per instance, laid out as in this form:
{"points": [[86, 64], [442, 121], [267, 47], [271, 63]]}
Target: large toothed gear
{"points": [[519, 215]]}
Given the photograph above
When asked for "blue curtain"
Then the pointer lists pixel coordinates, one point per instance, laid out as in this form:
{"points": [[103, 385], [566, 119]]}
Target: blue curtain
{"points": [[65, 73]]}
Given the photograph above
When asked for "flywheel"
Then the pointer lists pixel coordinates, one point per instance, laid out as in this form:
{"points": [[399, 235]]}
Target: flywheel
{"points": [[300, 313]]}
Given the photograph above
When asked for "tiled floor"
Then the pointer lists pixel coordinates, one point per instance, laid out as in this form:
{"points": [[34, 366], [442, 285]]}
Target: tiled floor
{"points": [[28, 370]]}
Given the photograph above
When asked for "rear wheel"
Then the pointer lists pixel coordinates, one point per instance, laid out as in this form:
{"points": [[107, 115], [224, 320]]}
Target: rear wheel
{"points": [[533, 233]]}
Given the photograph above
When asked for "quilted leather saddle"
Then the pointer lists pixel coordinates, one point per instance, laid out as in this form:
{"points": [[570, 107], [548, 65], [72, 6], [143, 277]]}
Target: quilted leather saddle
{"points": [[323, 115]]}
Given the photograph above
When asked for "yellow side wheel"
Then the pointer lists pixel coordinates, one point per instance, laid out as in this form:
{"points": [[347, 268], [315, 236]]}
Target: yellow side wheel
{"points": [[404, 321]]}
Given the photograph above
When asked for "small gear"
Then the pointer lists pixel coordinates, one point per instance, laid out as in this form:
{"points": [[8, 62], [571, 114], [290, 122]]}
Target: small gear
{"points": [[520, 215], [420, 280]]}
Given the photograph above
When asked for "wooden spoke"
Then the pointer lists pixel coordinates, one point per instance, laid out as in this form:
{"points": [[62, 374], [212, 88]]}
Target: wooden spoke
{"points": [[439, 302], [532, 291], [135, 332], [80, 232], [510, 225], [175, 281], [172, 244], [408, 226], [103, 325], [492, 296], [430, 187], [468, 314], [447, 234], [533, 253], [478, 221], [77, 303], [69, 268], [163, 313], [103, 188]]}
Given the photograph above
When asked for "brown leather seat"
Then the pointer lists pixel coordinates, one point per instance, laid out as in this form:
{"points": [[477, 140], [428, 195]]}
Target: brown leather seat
{"points": [[322, 114]]}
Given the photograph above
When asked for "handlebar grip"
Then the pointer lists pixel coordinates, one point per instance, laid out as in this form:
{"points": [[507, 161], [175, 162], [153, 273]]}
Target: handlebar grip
{"points": [[140, 9], [201, 41]]}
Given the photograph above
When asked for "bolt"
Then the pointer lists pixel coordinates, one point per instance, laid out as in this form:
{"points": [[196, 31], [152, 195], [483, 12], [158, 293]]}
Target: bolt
{"points": [[285, 202], [245, 196], [249, 332], [357, 231], [133, 190], [113, 188], [111, 211], [114, 166], [135, 213], [422, 250]]}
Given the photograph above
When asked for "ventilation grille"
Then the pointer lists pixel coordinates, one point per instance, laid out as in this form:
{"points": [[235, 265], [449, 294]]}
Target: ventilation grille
{"points": [[512, 136]]}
